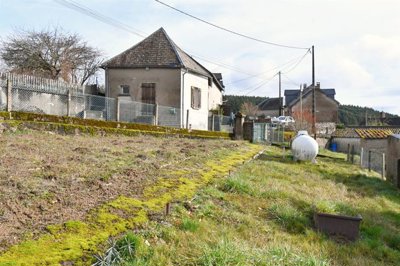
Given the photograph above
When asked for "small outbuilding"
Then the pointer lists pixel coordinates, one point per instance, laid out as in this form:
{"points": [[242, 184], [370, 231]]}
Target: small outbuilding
{"points": [[393, 159]]}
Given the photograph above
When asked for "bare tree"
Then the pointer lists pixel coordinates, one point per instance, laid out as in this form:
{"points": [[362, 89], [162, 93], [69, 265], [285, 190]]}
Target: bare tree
{"points": [[249, 108], [51, 54]]}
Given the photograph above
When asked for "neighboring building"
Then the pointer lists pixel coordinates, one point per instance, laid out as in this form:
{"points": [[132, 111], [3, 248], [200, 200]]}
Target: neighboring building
{"points": [[327, 108], [393, 159], [270, 107], [372, 138], [368, 139], [156, 70]]}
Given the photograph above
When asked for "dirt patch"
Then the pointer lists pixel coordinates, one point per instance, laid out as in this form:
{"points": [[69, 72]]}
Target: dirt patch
{"points": [[49, 179]]}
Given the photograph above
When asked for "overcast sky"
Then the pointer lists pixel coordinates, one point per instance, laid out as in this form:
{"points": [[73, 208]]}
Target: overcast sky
{"points": [[357, 42]]}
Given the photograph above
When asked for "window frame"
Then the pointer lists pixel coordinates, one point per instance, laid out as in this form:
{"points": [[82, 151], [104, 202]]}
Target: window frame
{"points": [[195, 98], [123, 87]]}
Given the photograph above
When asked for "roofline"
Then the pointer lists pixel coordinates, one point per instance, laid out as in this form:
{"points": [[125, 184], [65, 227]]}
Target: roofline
{"points": [[221, 87], [308, 92]]}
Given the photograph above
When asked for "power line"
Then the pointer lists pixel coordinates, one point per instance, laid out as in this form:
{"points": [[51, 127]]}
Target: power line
{"points": [[96, 15], [261, 85], [298, 63], [228, 30], [283, 66], [120, 25]]}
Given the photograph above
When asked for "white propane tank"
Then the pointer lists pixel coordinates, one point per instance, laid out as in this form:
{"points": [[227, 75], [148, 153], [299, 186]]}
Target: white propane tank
{"points": [[304, 147]]}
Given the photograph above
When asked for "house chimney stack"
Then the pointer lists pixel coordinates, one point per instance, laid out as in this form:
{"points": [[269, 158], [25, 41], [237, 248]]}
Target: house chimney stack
{"points": [[318, 86]]}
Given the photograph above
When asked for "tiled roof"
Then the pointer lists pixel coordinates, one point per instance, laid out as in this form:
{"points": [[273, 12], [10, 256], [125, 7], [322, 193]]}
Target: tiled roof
{"points": [[292, 96], [366, 133], [345, 133], [158, 51], [376, 133], [270, 104]]}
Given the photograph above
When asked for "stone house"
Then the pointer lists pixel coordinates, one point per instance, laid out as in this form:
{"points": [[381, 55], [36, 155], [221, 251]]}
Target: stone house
{"points": [[393, 159], [270, 107], [157, 71], [299, 106]]}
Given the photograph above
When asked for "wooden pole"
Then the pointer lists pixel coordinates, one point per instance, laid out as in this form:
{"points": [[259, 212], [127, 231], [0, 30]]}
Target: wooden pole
{"points": [[369, 161], [352, 154], [117, 110], [361, 157], [212, 122], [383, 166], [156, 114], [187, 119], [348, 152], [280, 92], [69, 103], [9, 95]]}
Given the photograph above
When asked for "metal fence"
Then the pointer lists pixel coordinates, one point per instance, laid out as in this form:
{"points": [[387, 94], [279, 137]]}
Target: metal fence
{"points": [[220, 123], [372, 160], [38, 95]]}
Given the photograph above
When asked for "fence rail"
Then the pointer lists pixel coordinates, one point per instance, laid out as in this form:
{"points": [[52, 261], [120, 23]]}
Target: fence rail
{"points": [[372, 160], [38, 95]]}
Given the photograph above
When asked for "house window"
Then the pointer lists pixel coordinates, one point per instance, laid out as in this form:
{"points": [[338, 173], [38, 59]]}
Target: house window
{"points": [[149, 93], [196, 98], [124, 89]]}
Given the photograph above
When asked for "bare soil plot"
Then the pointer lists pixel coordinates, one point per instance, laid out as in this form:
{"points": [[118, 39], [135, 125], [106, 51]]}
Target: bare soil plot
{"points": [[47, 178]]}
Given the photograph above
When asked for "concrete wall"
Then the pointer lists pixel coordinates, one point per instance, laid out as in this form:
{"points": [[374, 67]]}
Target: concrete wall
{"points": [[214, 97], [393, 160], [198, 118], [326, 108], [168, 84], [342, 144]]}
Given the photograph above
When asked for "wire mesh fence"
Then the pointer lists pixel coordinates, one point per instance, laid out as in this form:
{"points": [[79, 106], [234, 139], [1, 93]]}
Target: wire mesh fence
{"points": [[220, 123], [37, 95]]}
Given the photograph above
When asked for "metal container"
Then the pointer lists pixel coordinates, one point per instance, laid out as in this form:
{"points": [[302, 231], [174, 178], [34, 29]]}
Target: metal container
{"points": [[341, 226]]}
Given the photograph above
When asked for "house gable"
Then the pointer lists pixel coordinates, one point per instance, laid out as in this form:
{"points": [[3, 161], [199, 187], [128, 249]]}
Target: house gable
{"points": [[158, 51]]}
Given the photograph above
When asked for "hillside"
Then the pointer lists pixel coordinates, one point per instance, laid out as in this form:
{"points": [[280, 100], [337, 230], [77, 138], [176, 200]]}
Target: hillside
{"points": [[236, 101], [263, 215], [62, 196], [351, 115]]}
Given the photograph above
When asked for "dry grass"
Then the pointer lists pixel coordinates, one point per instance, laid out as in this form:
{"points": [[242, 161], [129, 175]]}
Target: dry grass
{"points": [[262, 215], [47, 178]]}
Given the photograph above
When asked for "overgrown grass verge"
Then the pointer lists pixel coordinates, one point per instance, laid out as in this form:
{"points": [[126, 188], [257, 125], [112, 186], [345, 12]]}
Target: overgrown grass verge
{"points": [[262, 215], [75, 241]]}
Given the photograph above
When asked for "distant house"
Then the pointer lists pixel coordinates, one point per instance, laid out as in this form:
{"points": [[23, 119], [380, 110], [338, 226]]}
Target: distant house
{"points": [[393, 159], [369, 138], [157, 71], [270, 107], [299, 105]]}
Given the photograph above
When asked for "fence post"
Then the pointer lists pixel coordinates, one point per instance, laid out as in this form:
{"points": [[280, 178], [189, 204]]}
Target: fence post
{"points": [[9, 95], [212, 122], [352, 154], [369, 161], [117, 110], [348, 152], [69, 103], [156, 114], [187, 119], [383, 166], [361, 157]]}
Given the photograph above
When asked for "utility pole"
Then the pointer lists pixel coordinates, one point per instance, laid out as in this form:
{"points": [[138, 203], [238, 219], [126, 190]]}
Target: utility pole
{"points": [[280, 98], [301, 107], [314, 129]]}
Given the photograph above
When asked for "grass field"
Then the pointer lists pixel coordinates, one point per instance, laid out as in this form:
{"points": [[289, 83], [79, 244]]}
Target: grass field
{"points": [[63, 196], [262, 215]]}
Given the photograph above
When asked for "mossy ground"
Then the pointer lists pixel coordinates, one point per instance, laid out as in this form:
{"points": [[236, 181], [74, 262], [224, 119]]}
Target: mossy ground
{"points": [[262, 215], [77, 240]]}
